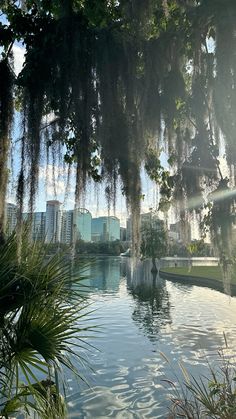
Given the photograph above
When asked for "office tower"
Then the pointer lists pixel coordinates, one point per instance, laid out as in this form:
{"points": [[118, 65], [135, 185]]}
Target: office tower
{"points": [[123, 234], [37, 220], [11, 218], [67, 227], [151, 219], [146, 220], [38, 226], [76, 225], [105, 229], [53, 222], [82, 224], [182, 230]]}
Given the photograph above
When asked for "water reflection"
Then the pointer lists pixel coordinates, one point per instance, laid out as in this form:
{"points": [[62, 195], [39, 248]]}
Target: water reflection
{"points": [[151, 300], [141, 317], [182, 287], [102, 273]]}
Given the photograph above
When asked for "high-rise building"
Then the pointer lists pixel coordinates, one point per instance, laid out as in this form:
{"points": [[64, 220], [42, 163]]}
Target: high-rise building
{"points": [[82, 223], [76, 225], [38, 226], [123, 234], [105, 229], [53, 222], [37, 220], [67, 227], [182, 230], [151, 219], [146, 220], [11, 218]]}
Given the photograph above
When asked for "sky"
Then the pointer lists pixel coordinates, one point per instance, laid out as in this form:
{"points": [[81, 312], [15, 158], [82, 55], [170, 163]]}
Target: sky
{"points": [[94, 200]]}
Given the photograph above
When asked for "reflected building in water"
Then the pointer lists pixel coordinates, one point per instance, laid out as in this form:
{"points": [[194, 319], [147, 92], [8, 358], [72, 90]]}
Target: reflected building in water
{"points": [[103, 274]]}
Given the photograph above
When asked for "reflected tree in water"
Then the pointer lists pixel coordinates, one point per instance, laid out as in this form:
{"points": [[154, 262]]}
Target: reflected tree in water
{"points": [[152, 308]]}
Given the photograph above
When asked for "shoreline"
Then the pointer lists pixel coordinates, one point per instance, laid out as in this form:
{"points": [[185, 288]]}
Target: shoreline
{"points": [[198, 281]]}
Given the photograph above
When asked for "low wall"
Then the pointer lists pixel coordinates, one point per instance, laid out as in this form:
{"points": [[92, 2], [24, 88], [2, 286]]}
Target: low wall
{"points": [[173, 262], [196, 280]]}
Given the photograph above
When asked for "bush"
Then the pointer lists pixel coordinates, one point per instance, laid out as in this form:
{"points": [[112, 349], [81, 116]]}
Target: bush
{"points": [[40, 316]]}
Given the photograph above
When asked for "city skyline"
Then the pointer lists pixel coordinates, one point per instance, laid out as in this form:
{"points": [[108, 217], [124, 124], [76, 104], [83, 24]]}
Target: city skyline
{"points": [[57, 225], [94, 201], [95, 213]]}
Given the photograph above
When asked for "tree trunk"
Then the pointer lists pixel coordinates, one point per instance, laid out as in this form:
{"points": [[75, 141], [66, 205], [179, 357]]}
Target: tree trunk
{"points": [[154, 266]]}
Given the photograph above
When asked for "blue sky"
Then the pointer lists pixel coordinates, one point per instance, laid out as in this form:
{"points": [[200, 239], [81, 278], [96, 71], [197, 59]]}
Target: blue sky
{"points": [[95, 197]]}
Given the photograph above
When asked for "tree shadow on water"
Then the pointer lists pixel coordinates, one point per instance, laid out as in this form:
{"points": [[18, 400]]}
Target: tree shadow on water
{"points": [[152, 305]]}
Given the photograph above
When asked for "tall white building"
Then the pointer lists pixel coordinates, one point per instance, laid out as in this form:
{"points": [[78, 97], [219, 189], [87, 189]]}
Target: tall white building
{"points": [[53, 222], [151, 219], [11, 218], [76, 225], [67, 227]]}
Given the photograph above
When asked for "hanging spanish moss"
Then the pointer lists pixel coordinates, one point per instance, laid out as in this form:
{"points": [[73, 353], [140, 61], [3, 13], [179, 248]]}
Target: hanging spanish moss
{"points": [[225, 92], [114, 80], [222, 218], [6, 115]]}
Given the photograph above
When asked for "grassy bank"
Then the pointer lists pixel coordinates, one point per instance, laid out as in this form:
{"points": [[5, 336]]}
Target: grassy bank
{"points": [[211, 272]]}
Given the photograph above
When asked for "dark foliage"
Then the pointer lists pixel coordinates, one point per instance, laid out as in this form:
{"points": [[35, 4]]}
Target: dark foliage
{"points": [[103, 82]]}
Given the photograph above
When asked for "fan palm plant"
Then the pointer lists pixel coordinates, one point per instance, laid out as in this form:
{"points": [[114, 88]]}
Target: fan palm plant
{"points": [[42, 306]]}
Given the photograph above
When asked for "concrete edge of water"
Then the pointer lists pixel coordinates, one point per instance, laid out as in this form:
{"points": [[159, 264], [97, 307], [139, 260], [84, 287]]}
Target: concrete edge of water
{"points": [[198, 281]]}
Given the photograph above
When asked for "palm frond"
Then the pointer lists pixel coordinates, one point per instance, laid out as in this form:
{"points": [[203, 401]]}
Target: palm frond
{"points": [[43, 311]]}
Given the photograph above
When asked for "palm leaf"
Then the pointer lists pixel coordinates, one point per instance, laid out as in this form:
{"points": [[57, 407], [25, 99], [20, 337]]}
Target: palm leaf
{"points": [[43, 324]]}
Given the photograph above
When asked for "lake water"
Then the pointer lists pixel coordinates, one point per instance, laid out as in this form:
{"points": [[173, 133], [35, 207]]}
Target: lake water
{"points": [[140, 320]]}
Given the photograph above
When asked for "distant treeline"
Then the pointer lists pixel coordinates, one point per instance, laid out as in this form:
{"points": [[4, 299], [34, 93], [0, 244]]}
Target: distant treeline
{"points": [[106, 248], [196, 248], [115, 248]]}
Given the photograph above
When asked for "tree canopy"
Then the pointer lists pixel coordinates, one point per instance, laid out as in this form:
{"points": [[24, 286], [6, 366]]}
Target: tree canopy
{"points": [[106, 84], [154, 242]]}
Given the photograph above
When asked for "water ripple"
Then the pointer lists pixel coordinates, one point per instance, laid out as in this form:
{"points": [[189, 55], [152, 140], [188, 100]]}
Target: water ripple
{"points": [[141, 321]]}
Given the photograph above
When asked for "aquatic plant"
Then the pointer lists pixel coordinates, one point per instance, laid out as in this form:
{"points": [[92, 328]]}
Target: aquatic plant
{"points": [[210, 396]]}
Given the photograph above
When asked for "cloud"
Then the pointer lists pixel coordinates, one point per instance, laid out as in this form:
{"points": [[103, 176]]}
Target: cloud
{"points": [[54, 183], [54, 179], [19, 58]]}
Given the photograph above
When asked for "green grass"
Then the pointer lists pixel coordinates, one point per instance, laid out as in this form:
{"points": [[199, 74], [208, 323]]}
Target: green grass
{"points": [[212, 272]]}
